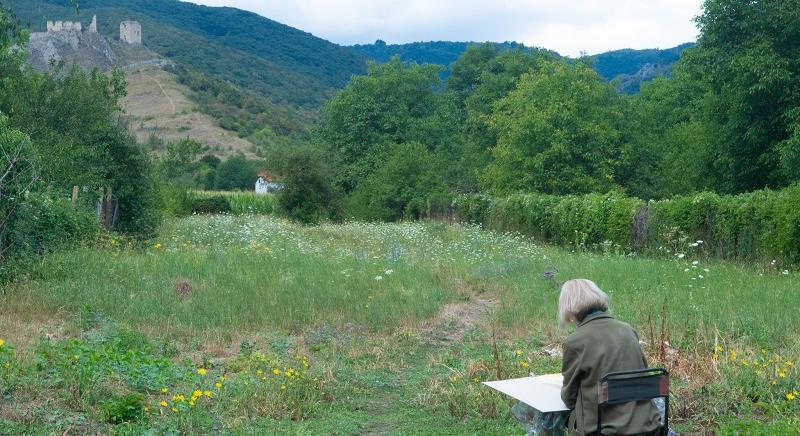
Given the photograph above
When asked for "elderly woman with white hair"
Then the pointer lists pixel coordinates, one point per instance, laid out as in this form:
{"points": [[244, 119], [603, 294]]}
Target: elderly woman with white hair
{"points": [[599, 345]]}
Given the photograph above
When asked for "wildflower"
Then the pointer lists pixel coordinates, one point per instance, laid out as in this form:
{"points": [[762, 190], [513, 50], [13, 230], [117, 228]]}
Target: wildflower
{"points": [[695, 263], [520, 353], [389, 272], [197, 393], [218, 385], [524, 363], [276, 371], [207, 393], [786, 272], [2, 342], [378, 278], [201, 371], [790, 396], [259, 372], [178, 398], [157, 246], [174, 410], [164, 390], [681, 255], [191, 403], [163, 404]]}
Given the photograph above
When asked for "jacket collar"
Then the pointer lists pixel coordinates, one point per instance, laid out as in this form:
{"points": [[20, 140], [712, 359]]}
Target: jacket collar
{"points": [[594, 316]]}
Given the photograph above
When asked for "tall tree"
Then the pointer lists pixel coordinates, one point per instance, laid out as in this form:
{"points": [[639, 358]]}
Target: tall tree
{"points": [[558, 132], [749, 56]]}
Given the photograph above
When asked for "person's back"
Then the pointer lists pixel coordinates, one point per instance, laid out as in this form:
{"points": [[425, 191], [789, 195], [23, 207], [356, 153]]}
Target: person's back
{"points": [[601, 345]]}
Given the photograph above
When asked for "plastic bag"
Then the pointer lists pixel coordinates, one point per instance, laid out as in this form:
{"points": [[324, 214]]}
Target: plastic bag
{"points": [[537, 423]]}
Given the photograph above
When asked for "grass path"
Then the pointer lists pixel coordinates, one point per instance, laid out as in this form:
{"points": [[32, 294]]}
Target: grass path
{"points": [[387, 408]]}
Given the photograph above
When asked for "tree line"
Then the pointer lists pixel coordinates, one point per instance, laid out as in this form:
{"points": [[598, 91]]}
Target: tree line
{"points": [[727, 120]]}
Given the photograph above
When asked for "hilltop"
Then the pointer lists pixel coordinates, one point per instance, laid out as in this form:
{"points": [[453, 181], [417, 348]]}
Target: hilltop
{"points": [[284, 65]]}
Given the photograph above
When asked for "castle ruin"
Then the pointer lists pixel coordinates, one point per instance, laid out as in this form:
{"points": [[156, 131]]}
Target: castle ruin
{"points": [[130, 32]]}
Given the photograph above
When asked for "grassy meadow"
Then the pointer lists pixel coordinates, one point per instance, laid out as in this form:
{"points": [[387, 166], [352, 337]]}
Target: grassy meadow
{"points": [[251, 324]]}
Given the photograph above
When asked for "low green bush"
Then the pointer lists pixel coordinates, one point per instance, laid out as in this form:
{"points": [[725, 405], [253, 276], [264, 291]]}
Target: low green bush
{"points": [[209, 205], [761, 225]]}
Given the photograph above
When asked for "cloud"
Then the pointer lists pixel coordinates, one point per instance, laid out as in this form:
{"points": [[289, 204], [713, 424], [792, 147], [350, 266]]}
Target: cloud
{"points": [[567, 26]]}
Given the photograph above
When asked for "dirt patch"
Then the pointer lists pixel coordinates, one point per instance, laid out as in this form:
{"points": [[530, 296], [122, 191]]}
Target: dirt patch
{"points": [[454, 320]]}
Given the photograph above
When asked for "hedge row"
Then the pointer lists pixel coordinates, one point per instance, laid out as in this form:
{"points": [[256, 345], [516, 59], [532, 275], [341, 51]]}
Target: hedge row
{"points": [[758, 225]]}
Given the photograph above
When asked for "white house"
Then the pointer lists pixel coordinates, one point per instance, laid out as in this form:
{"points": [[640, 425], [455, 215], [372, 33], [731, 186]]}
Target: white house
{"points": [[265, 186]]}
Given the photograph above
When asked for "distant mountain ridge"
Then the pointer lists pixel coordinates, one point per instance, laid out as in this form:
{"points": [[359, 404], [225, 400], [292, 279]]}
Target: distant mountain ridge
{"points": [[629, 67]]}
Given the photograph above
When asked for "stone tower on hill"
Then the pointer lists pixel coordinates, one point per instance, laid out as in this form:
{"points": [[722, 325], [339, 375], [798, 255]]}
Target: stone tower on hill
{"points": [[93, 26], [130, 32]]}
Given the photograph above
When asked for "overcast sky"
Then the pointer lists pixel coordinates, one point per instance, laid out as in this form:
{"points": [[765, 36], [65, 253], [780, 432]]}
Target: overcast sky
{"points": [[567, 26]]}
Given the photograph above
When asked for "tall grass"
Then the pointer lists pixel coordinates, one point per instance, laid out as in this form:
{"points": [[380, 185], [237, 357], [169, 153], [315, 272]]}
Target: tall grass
{"points": [[246, 273]]}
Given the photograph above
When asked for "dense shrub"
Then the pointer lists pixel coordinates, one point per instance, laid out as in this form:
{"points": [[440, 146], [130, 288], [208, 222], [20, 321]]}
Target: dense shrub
{"points": [[208, 204], [757, 225], [41, 222]]}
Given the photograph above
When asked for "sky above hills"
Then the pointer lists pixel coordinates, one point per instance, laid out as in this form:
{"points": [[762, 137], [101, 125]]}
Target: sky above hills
{"points": [[567, 26]]}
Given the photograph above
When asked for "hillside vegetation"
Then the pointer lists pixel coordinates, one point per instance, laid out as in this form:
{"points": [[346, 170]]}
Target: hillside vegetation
{"points": [[157, 106], [283, 64]]}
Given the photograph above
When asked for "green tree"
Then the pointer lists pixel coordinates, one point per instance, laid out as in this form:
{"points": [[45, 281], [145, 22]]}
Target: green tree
{"points": [[394, 103], [236, 173], [749, 58], [559, 132], [309, 194], [399, 187]]}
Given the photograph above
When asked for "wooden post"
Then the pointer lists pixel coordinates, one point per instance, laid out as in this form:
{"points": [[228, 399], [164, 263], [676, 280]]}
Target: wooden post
{"points": [[74, 195], [108, 210]]}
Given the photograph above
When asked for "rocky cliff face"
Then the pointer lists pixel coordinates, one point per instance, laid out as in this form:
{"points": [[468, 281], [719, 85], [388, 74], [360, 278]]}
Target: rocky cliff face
{"points": [[87, 50]]}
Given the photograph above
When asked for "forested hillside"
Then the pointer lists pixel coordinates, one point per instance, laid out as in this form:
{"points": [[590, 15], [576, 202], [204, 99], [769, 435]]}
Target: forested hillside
{"points": [[630, 67], [283, 64]]}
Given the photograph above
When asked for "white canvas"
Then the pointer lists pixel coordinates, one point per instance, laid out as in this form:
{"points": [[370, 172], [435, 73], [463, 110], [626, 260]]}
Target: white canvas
{"points": [[543, 393]]}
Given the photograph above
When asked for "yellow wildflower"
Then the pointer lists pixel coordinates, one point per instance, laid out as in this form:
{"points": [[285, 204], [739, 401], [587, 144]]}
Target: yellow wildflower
{"points": [[259, 372], [790, 396], [2, 342], [157, 246], [174, 410], [520, 352], [207, 393], [218, 385], [523, 363], [191, 403], [163, 404], [276, 371], [164, 390], [201, 371], [197, 393], [283, 387]]}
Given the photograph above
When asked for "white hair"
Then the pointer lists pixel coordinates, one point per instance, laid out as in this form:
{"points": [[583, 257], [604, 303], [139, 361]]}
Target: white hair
{"points": [[578, 296]]}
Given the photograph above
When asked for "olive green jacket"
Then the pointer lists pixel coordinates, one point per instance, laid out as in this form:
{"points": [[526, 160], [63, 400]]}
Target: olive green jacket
{"points": [[600, 345]]}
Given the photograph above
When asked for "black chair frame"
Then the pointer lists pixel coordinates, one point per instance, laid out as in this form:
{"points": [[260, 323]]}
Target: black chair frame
{"points": [[640, 385]]}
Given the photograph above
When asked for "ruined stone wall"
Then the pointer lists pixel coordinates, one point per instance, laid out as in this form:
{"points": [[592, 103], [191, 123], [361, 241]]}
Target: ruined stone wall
{"points": [[130, 32], [64, 26]]}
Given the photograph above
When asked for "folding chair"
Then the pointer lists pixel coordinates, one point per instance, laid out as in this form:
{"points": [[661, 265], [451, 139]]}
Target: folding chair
{"points": [[626, 386]]}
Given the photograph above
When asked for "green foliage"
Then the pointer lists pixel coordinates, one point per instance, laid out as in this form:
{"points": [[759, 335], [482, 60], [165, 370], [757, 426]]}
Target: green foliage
{"points": [[236, 173], [213, 204], [748, 60], [309, 194], [399, 187], [127, 408], [762, 225], [240, 203], [559, 132]]}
